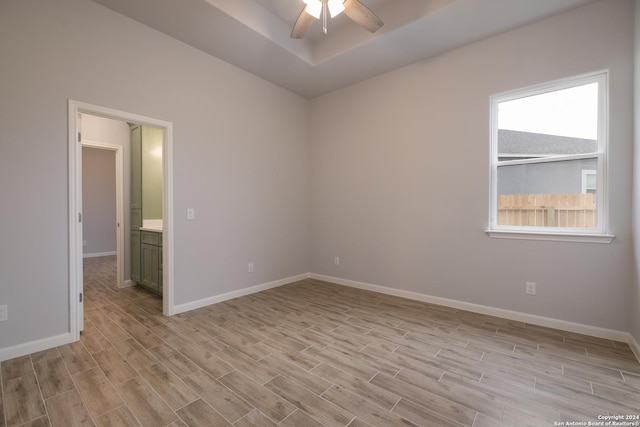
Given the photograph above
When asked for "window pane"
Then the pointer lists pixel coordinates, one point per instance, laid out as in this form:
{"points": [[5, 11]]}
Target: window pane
{"points": [[548, 150], [546, 194], [571, 112]]}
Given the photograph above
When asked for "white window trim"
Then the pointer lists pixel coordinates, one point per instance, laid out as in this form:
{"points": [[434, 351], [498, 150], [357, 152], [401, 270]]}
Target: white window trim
{"points": [[555, 236], [525, 156], [559, 158], [596, 235], [585, 174]]}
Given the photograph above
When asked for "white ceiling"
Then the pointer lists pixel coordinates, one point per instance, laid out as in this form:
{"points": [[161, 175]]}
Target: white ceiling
{"points": [[254, 34]]}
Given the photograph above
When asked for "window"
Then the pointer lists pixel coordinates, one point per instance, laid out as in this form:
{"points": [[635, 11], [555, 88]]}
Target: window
{"points": [[589, 181], [548, 148]]}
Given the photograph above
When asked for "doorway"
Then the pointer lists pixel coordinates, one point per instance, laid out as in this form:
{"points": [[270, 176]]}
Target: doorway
{"points": [[76, 108], [103, 202]]}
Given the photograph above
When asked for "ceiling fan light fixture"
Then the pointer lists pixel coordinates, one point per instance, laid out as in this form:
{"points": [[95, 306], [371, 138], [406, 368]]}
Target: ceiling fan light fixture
{"points": [[336, 7], [313, 8], [356, 11]]}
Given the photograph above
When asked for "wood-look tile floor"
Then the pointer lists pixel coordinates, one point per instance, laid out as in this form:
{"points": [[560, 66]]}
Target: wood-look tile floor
{"points": [[312, 354]]}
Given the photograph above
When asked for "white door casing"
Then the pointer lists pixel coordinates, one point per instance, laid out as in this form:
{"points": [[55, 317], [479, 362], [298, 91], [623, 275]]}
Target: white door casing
{"points": [[75, 206]]}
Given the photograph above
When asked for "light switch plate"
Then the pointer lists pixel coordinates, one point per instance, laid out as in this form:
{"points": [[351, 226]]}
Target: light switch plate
{"points": [[191, 213]]}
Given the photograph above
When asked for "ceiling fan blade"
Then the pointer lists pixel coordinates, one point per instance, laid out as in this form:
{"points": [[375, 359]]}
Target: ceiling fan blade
{"points": [[303, 23], [362, 15]]}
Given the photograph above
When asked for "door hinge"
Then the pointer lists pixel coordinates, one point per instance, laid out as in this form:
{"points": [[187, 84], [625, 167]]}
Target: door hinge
{"points": [[80, 296], [79, 136], [79, 216]]}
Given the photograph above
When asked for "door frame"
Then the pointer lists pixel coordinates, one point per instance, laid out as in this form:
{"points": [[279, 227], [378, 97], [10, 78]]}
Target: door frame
{"points": [[120, 249], [76, 312]]}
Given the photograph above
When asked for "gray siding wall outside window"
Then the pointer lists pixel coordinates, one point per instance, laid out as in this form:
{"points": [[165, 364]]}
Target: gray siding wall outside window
{"points": [[542, 178]]}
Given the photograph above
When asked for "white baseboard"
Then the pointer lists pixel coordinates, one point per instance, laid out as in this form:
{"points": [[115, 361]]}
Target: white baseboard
{"points": [[34, 346], [483, 309], [55, 341], [235, 294], [98, 254], [129, 284]]}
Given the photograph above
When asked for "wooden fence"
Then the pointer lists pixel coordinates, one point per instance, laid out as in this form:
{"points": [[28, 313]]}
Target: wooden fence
{"points": [[547, 210]]}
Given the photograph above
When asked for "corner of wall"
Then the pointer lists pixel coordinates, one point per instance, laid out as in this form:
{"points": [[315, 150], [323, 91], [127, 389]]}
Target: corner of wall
{"points": [[634, 291]]}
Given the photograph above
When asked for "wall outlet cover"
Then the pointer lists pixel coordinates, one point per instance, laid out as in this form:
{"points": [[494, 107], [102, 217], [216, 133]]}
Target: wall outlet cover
{"points": [[530, 288]]}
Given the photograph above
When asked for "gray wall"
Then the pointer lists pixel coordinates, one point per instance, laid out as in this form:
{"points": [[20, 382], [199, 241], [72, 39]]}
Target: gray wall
{"points": [[634, 300], [544, 178], [113, 132], [400, 175], [378, 151], [98, 200], [248, 183]]}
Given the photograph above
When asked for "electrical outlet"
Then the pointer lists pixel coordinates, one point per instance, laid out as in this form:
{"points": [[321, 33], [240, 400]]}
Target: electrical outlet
{"points": [[191, 213], [336, 260], [530, 288], [4, 313], [84, 243], [250, 267]]}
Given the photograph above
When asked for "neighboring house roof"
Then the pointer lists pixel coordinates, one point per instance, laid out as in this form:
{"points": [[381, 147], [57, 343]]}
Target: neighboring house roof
{"points": [[511, 142]]}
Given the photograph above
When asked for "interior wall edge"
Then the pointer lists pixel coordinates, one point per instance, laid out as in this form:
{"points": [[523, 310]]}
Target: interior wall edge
{"points": [[634, 289]]}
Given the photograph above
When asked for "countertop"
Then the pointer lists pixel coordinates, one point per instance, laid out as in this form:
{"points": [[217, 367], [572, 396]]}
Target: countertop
{"points": [[154, 225]]}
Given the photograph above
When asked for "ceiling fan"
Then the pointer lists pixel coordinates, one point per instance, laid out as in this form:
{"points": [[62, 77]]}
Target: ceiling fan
{"points": [[316, 9]]}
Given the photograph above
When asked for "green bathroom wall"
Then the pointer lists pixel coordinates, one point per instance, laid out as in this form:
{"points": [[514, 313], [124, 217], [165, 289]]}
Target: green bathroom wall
{"points": [[151, 173]]}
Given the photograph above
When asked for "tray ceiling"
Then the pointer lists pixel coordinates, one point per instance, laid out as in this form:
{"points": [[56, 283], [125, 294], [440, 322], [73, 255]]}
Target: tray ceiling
{"points": [[254, 34]]}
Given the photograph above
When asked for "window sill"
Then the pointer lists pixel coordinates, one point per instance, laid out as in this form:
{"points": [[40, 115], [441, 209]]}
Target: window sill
{"points": [[556, 237]]}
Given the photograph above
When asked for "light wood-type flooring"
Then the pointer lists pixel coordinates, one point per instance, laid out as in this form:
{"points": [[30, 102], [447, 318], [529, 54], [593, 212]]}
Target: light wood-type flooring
{"points": [[312, 354]]}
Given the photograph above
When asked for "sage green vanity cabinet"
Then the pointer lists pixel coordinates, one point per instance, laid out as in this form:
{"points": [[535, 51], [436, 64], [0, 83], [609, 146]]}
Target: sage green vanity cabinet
{"points": [[160, 270], [135, 256], [151, 261], [146, 205]]}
